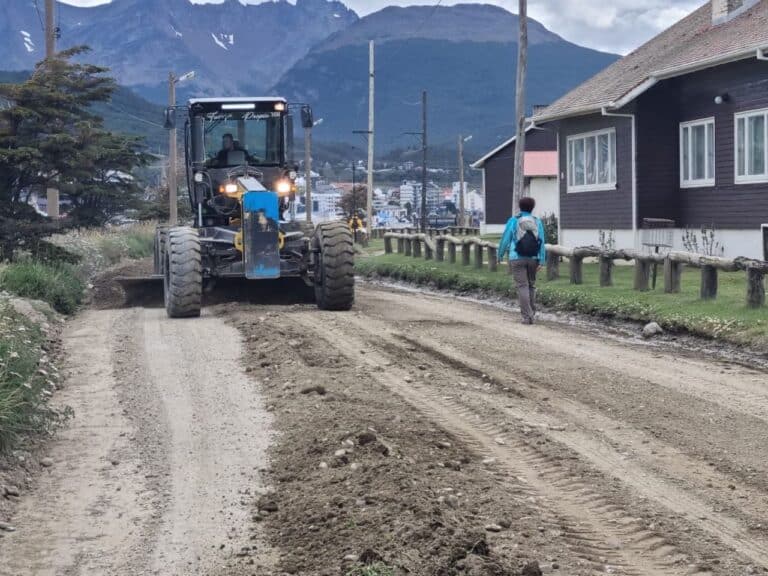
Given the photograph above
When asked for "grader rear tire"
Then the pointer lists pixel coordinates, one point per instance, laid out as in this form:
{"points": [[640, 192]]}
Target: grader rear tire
{"points": [[161, 234], [183, 274], [334, 267]]}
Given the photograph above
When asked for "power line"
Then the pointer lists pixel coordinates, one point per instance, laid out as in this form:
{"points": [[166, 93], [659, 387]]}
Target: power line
{"points": [[434, 9], [39, 16]]}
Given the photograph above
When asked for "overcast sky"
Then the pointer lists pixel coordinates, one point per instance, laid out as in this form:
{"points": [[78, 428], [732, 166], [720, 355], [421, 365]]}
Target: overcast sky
{"points": [[612, 25]]}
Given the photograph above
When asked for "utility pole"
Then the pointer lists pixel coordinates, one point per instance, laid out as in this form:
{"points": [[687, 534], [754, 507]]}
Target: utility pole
{"points": [[354, 196], [371, 77], [424, 162], [461, 181], [308, 170], [173, 218], [522, 65], [50, 51]]}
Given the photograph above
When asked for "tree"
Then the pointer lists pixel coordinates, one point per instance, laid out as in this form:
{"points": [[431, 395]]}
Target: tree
{"points": [[48, 134], [354, 202]]}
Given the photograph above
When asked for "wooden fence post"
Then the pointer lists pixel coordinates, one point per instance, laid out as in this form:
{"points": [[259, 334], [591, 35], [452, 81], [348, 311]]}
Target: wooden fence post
{"points": [[576, 269], [673, 272], [708, 282], [553, 266], [388, 244], [755, 288], [439, 248], [642, 275], [465, 254], [408, 245], [606, 271], [451, 252], [417, 247], [493, 258], [429, 252], [479, 256]]}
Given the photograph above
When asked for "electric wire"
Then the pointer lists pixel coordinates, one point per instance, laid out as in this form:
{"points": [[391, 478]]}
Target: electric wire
{"points": [[432, 13], [39, 16]]}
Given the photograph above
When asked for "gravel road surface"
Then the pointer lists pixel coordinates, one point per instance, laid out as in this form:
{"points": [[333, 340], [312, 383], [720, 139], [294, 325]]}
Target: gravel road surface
{"points": [[429, 434]]}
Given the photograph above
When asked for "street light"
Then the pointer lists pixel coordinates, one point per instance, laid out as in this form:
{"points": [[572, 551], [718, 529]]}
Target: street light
{"points": [[462, 217], [172, 149]]}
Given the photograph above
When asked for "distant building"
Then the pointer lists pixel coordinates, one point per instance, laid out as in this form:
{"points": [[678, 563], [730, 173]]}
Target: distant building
{"points": [[540, 168]]}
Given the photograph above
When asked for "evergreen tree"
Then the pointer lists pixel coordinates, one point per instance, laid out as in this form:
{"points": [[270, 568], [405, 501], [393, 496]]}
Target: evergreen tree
{"points": [[49, 135]]}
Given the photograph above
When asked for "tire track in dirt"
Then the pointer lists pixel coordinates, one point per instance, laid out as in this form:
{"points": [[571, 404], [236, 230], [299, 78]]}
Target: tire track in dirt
{"points": [[637, 459], [595, 522], [746, 394]]}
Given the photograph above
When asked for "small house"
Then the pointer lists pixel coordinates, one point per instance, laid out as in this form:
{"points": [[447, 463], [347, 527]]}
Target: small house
{"points": [[674, 132]]}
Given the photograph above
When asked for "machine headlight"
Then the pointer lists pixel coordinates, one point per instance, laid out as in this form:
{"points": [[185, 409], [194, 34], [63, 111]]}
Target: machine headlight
{"points": [[279, 106], [292, 175], [228, 188], [283, 187], [199, 177]]}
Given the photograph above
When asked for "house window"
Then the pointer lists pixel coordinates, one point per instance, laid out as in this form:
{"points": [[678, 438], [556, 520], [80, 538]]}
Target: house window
{"points": [[592, 161], [752, 146], [697, 153]]}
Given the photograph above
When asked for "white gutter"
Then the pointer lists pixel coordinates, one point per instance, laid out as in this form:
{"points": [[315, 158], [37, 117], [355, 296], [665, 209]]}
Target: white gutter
{"points": [[761, 55], [604, 112]]}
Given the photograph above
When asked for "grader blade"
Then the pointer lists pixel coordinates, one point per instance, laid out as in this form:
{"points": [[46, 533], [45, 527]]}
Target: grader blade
{"points": [[142, 290]]}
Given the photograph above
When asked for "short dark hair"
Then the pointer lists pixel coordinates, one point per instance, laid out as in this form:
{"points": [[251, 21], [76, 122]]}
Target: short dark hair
{"points": [[527, 204], [228, 135]]}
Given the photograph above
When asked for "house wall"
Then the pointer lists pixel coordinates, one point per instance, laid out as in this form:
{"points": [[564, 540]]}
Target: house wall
{"points": [[605, 209], [500, 171], [727, 205]]}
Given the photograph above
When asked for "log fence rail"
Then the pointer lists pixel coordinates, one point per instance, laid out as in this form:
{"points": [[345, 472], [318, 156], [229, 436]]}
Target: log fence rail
{"points": [[474, 251]]}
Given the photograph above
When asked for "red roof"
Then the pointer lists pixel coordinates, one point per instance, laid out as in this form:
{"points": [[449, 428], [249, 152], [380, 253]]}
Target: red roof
{"points": [[540, 164]]}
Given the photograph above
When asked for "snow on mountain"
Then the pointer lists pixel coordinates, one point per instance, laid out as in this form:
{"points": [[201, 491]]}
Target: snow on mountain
{"points": [[233, 47]]}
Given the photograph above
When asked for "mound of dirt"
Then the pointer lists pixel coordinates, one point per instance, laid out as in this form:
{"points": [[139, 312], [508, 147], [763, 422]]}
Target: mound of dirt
{"points": [[361, 479]]}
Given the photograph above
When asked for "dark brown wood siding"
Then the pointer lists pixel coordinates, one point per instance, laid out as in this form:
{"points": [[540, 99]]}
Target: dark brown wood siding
{"points": [[604, 209], [727, 205], [658, 170], [500, 172]]}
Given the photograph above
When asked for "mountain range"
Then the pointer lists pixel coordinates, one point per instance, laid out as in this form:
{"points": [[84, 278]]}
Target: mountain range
{"points": [[316, 51]]}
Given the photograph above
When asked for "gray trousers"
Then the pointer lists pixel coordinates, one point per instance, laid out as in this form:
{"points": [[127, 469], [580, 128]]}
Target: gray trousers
{"points": [[524, 271]]}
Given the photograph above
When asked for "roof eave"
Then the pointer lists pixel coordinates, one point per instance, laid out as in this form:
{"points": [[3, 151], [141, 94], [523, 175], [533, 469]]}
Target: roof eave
{"points": [[663, 74]]}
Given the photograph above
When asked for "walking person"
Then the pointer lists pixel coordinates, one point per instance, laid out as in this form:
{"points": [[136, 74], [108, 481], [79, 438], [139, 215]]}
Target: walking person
{"points": [[524, 240]]}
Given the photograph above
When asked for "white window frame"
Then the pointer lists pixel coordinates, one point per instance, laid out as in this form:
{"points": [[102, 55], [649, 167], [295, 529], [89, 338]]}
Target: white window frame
{"points": [[612, 161], [755, 178], [701, 182]]}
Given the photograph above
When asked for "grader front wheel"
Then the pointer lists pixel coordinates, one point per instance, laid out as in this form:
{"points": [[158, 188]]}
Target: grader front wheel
{"points": [[183, 273], [334, 267]]}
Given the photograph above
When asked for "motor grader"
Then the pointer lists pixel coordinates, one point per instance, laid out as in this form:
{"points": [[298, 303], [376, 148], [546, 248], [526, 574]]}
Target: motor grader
{"points": [[241, 181]]}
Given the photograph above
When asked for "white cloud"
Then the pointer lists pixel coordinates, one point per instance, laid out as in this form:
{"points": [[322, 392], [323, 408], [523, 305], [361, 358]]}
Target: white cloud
{"points": [[612, 25]]}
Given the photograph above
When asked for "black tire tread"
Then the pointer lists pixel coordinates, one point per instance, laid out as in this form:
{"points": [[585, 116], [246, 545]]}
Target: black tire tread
{"points": [[337, 256], [184, 277]]}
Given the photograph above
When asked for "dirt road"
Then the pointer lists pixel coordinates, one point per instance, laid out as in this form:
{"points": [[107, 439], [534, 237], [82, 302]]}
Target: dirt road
{"points": [[160, 468], [425, 433]]}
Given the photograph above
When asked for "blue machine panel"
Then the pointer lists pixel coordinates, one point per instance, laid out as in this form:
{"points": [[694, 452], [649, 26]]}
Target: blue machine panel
{"points": [[261, 241]]}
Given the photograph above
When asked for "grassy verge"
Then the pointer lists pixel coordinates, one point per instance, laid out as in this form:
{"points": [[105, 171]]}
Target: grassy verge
{"points": [[727, 317], [62, 284], [26, 379], [57, 284]]}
